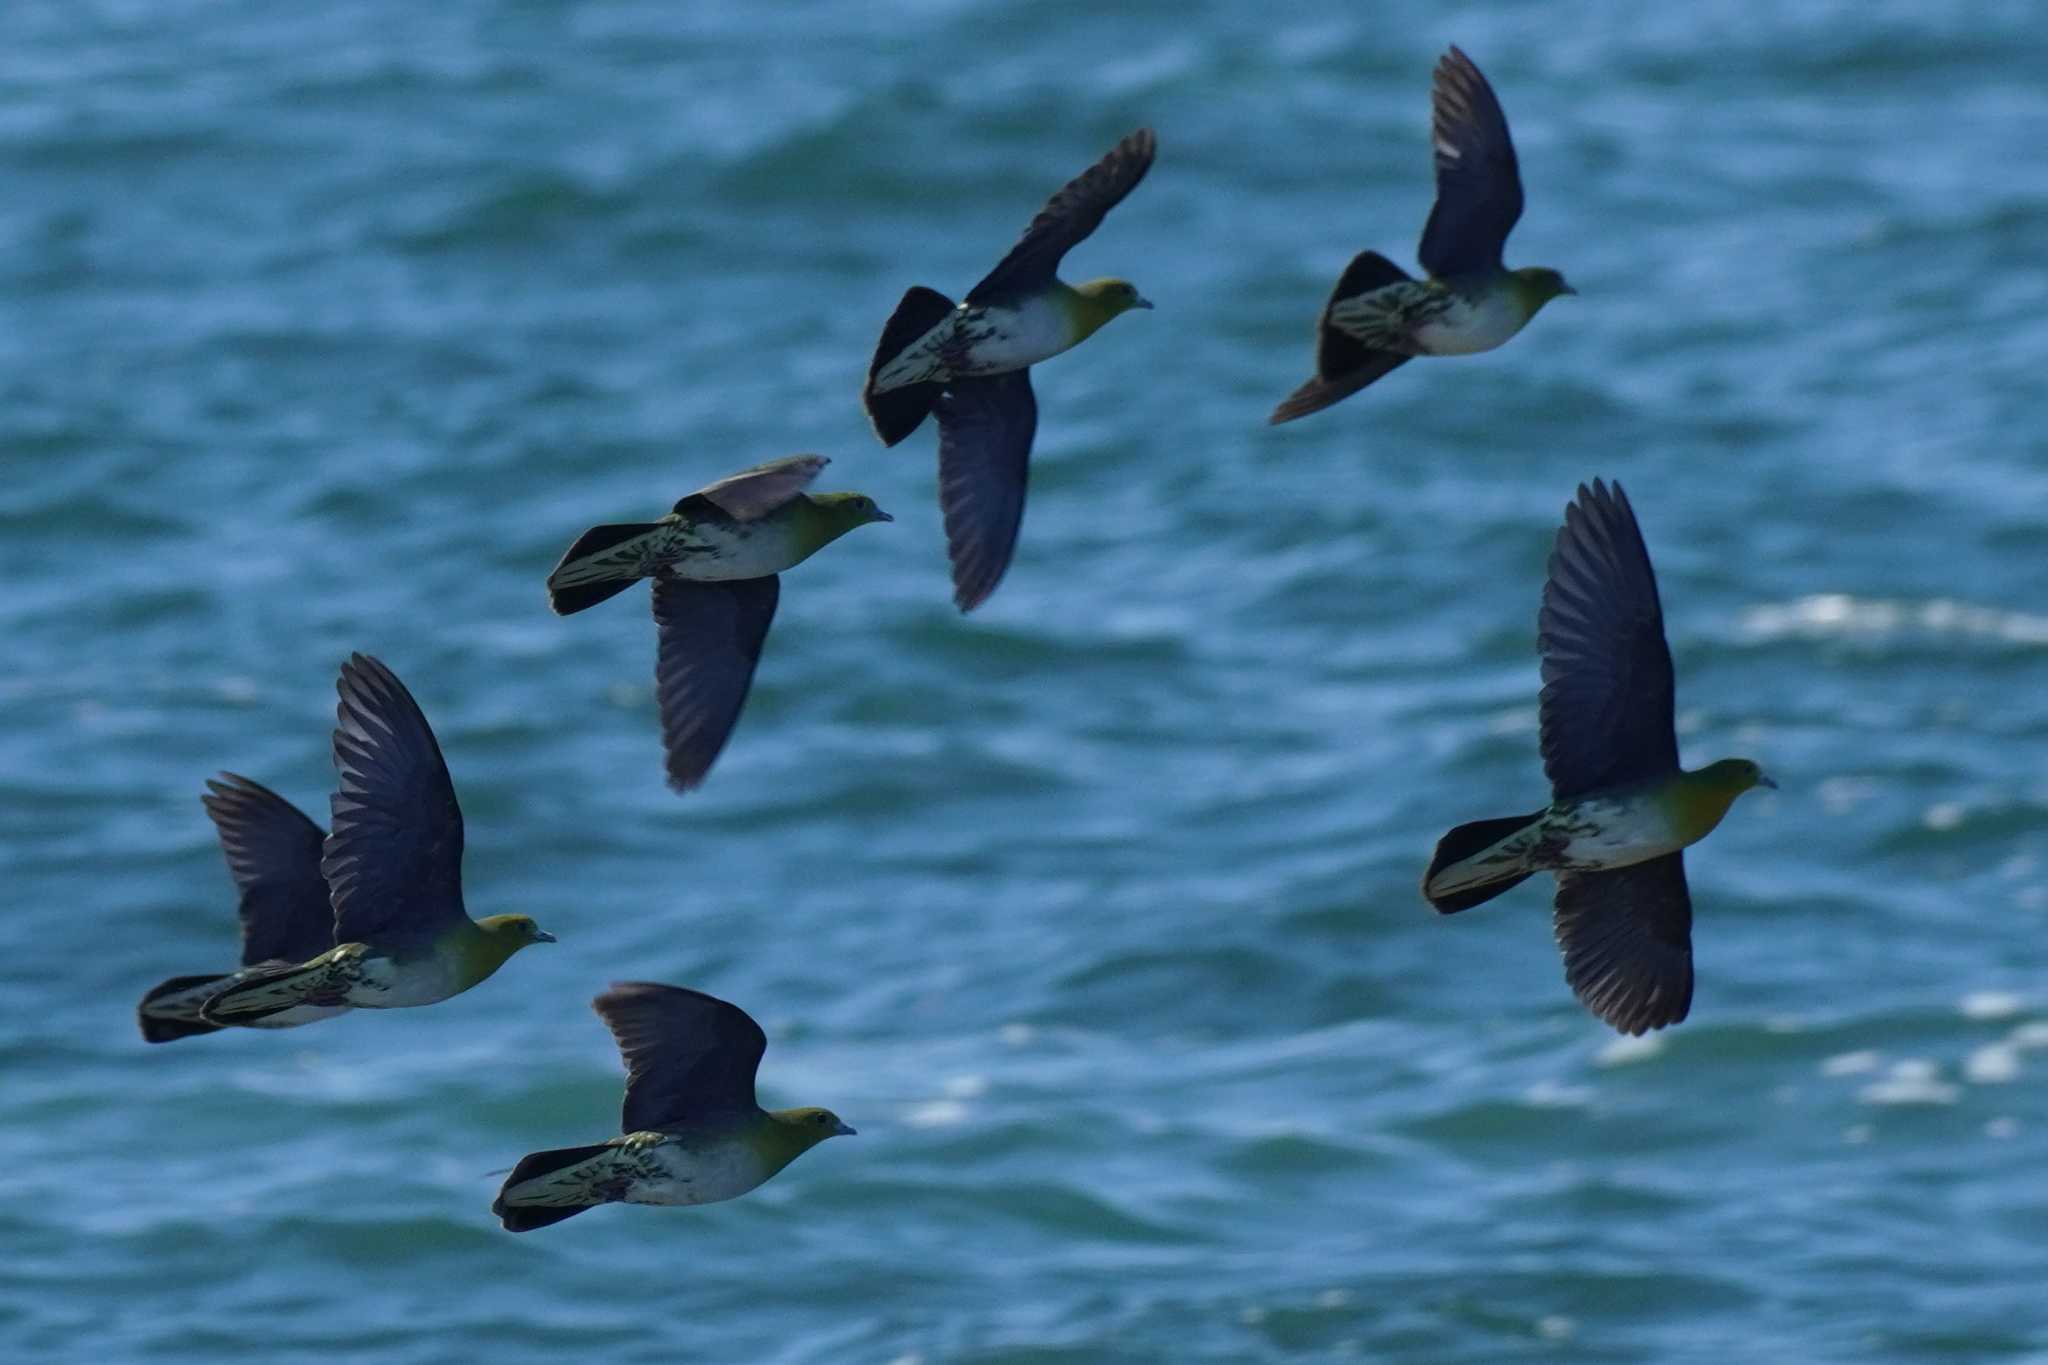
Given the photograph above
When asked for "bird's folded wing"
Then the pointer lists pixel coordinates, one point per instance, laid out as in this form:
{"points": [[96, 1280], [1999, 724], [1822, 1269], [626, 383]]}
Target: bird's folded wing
{"points": [[1068, 217], [394, 861], [753, 493], [273, 851], [1478, 184], [1626, 936], [1606, 711], [709, 639], [985, 432], [688, 1055]]}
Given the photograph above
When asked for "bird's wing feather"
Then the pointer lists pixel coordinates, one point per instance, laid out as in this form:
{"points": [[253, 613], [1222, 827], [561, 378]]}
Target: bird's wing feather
{"points": [[1067, 218], [985, 431], [394, 861], [1607, 702], [753, 493], [1478, 184], [273, 852], [688, 1055], [709, 640], [1626, 935]]}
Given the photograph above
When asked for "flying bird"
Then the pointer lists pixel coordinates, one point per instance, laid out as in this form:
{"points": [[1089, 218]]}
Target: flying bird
{"points": [[693, 1131], [1621, 808], [971, 364], [393, 867], [1378, 318], [273, 854], [714, 561]]}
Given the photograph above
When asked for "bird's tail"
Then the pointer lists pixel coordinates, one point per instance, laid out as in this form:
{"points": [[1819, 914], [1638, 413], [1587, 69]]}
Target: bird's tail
{"points": [[262, 992], [591, 571], [898, 412], [1476, 862], [171, 1011], [550, 1200], [1344, 364]]}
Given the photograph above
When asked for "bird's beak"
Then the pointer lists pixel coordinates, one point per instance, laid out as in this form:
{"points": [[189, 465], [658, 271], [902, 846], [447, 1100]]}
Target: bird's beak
{"points": [[1564, 288], [1142, 302], [845, 1130], [1764, 780], [543, 936], [880, 515]]}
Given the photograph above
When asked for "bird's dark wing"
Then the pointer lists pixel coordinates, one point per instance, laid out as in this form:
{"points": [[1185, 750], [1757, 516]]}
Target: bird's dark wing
{"points": [[1068, 217], [394, 861], [1478, 184], [1607, 693], [1626, 936], [753, 493], [688, 1055], [273, 853], [985, 431], [709, 639]]}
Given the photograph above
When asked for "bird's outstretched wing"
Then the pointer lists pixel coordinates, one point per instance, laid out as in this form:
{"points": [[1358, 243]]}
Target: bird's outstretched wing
{"points": [[1478, 184], [394, 861], [688, 1055], [1626, 935], [273, 852], [709, 638], [753, 493], [1068, 217], [985, 431], [1606, 711]]}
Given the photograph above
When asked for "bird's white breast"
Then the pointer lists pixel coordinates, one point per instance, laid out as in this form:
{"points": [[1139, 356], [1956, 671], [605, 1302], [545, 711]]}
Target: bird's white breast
{"points": [[715, 554], [1467, 327], [1601, 833], [697, 1175]]}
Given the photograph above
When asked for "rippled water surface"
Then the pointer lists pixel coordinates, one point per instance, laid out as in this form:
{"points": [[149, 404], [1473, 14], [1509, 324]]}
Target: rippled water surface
{"points": [[325, 328]]}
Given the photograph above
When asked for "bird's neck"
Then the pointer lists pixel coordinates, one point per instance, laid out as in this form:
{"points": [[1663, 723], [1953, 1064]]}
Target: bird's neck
{"points": [[1085, 314], [1695, 801], [814, 525], [779, 1139], [480, 952]]}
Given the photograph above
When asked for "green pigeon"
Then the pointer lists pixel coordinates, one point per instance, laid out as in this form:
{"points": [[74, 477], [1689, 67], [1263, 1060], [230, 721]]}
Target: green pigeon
{"points": [[714, 562], [971, 364], [1621, 808], [273, 853], [1378, 318], [694, 1133], [393, 867]]}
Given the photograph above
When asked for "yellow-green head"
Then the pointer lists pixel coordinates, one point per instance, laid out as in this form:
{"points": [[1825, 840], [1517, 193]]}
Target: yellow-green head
{"points": [[1097, 301], [513, 931], [848, 510], [1536, 285]]}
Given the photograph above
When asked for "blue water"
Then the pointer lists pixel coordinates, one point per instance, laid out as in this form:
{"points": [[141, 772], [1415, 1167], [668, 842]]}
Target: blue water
{"points": [[325, 328]]}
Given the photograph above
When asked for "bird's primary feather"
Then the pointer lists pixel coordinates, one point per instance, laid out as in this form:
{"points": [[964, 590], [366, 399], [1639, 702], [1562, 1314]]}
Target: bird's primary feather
{"points": [[1067, 218], [1606, 712], [689, 1056], [708, 641], [985, 432], [1626, 936], [394, 861], [1478, 183], [273, 853]]}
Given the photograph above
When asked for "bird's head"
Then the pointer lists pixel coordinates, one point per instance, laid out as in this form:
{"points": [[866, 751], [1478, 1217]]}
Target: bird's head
{"points": [[513, 932], [1736, 776], [813, 1126], [1105, 299], [848, 510], [1539, 284]]}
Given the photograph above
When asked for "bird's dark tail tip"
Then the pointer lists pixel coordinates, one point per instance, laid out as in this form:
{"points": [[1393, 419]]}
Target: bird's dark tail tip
{"points": [[1449, 894], [525, 1218], [898, 412], [167, 1028], [533, 1166]]}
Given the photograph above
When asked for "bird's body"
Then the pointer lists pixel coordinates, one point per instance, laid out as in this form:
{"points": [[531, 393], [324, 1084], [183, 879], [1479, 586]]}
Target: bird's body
{"points": [[694, 1133], [273, 853], [1621, 807], [393, 869], [970, 364], [1378, 318], [715, 561]]}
